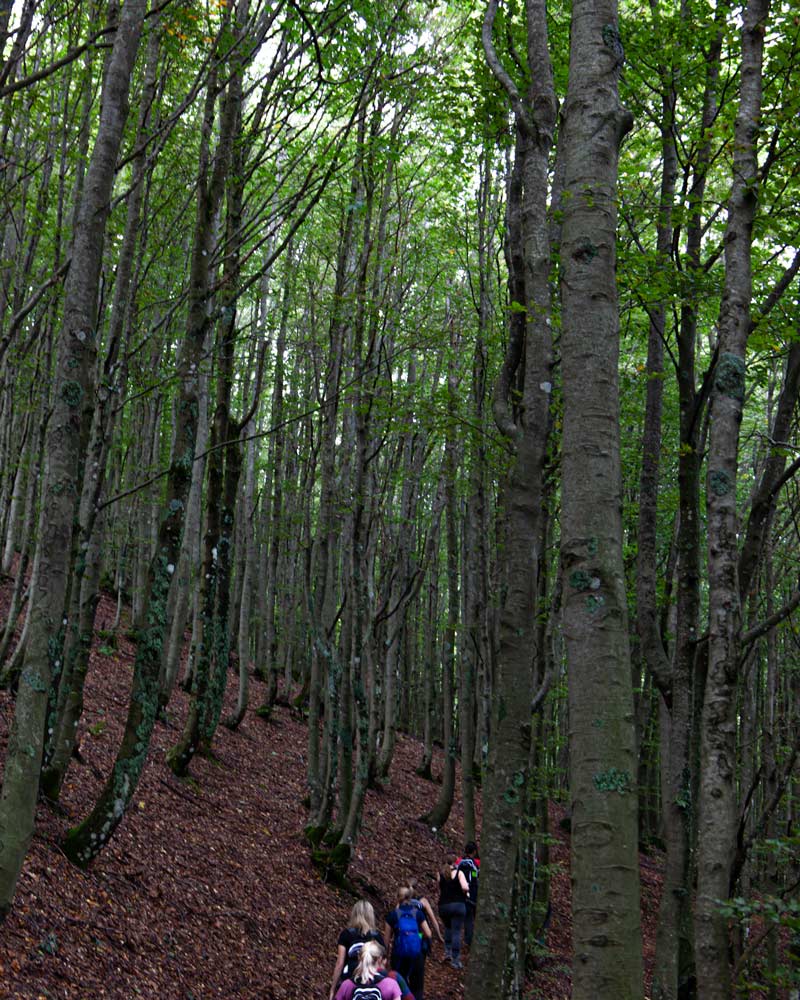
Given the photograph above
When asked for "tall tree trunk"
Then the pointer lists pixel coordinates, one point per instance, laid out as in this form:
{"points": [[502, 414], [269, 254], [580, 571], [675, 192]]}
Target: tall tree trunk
{"points": [[323, 592], [268, 663], [604, 856], [85, 595], [86, 840], [717, 823], [224, 469], [439, 814], [527, 368], [64, 454]]}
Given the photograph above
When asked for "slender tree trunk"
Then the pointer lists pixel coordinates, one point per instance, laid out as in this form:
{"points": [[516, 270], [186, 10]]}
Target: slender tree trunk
{"points": [[248, 572], [439, 814], [275, 534], [85, 595], [224, 468], [185, 584], [431, 616], [323, 595], [718, 735]]}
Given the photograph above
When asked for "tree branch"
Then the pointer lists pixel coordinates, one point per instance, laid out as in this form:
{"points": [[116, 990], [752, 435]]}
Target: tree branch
{"points": [[751, 635], [500, 73]]}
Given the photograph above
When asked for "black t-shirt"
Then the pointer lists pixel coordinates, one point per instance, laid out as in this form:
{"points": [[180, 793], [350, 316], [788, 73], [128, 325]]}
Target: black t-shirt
{"points": [[351, 940], [450, 890]]}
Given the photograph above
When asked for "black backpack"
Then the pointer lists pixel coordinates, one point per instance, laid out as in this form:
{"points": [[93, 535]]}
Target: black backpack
{"points": [[471, 873], [353, 954], [368, 991]]}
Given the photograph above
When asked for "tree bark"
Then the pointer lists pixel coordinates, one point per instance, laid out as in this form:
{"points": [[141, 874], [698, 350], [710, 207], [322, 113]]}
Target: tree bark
{"points": [[527, 367], [717, 820], [604, 854]]}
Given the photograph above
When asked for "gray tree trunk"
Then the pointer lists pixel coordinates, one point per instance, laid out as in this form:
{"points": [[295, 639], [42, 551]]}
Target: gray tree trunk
{"points": [[717, 805], [527, 368], [604, 853], [84, 598], [185, 582]]}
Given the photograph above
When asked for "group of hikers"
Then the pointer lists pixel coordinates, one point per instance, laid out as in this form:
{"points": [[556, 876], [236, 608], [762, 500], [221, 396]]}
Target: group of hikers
{"points": [[362, 971]]}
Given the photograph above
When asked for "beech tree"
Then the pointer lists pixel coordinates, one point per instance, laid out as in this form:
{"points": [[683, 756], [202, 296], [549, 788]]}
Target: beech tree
{"points": [[604, 849], [322, 241]]}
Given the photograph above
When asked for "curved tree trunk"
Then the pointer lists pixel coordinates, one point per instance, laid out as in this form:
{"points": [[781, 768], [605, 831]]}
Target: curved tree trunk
{"points": [[66, 440], [86, 840], [85, 596]]}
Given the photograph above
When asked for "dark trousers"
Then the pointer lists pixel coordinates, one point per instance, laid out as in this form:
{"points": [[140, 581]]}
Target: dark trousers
{"points": [[453, 916], [413, 971], [469, 923]]}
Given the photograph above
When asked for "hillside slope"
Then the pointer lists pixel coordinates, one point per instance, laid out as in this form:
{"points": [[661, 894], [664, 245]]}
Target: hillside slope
{"points": [[207, 890]]}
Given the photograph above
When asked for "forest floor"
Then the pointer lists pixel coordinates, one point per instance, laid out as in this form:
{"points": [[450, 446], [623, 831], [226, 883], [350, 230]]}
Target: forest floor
{"points": [[207, 889]]}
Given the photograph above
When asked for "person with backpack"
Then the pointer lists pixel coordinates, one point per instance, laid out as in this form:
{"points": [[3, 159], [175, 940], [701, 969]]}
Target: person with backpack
{"points": [[368, 981], [362, 927], [421, 903], [453, 893], [430, 916], [470, 865], [405, 928]]}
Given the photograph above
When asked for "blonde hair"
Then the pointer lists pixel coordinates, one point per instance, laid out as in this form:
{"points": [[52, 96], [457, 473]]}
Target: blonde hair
{"points": [[369, 961], [404, 894], [362, 917]]}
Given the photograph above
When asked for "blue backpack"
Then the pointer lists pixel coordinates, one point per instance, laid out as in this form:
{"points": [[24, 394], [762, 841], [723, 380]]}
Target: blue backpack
{"points": [[407, 942]]}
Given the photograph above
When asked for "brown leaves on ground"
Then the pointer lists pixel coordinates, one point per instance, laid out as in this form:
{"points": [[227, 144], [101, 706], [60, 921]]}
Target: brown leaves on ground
{"points": [[208, 890]]}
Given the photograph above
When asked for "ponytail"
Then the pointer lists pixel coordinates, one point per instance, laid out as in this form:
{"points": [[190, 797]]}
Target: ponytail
{"points": [[370, 958]]}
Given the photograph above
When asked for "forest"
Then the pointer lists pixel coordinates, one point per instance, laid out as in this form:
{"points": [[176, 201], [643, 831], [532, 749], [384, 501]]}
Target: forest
{"points": [[402, 379]]}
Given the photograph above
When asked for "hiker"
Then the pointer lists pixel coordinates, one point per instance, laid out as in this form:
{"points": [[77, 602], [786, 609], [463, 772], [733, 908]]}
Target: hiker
{"points": [[362, 927], [420, 902], [405, 989], [430, 916], [470, 865], [453, 894], [404, 929], [369, 982]]}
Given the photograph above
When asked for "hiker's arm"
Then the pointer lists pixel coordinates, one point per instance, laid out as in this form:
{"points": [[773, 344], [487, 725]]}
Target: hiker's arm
{"points": [[387, 937], [462, 881], [341, 954], [431, 918], [425, 927], [345, 991]]}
